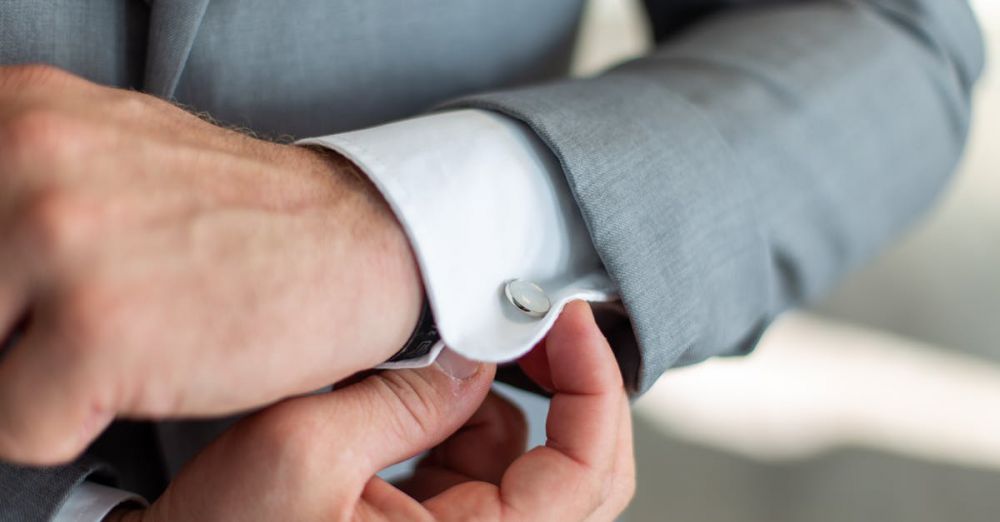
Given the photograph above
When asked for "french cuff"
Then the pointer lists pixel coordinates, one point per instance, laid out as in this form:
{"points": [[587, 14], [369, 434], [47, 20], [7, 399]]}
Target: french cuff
{"points": [[483, 202], [91, 502]]}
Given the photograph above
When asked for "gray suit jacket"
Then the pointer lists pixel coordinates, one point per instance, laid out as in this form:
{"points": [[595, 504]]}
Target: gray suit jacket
{"points": [[763, 149]]}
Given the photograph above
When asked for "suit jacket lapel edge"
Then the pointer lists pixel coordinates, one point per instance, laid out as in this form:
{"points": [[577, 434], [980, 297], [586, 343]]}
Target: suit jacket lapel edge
{"points": [[173, 26]]}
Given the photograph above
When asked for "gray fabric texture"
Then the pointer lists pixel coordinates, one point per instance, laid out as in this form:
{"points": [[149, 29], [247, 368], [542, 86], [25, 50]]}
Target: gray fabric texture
{"points": [[748, 163], [764, 149], [173, 25], [101, 40], [31, 494]]}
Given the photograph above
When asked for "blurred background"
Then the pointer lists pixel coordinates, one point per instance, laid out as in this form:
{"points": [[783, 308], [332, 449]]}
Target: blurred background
{"points": [[882, 403]]}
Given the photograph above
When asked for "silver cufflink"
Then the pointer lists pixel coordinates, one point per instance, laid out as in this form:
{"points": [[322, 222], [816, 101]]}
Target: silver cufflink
{"points": [[527, 297]]}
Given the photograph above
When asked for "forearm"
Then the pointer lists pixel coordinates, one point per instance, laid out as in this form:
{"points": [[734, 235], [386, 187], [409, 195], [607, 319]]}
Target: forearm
{"points": [[744, 166], [843, 119]]}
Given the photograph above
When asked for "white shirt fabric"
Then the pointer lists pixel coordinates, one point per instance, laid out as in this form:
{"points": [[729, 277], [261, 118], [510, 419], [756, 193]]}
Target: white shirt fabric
{"points": [[483, 201], [90, 502]]}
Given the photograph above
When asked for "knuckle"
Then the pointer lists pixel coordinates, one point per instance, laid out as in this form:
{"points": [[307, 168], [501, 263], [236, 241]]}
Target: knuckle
{"points": [[55, 220], [46, 140], [45, 135], [132, 105], [593, 488], [411, 398], [600, 487]]}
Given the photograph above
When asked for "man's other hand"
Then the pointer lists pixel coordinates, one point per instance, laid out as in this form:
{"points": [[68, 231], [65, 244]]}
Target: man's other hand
{"points": [[315, 458], [164, 266]]}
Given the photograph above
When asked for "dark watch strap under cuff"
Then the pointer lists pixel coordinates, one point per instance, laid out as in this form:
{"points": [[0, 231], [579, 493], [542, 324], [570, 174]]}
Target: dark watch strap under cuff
{"points": [[423, 338]]}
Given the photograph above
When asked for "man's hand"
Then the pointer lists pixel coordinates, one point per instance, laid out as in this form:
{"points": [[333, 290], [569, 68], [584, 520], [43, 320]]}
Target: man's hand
{"points": [[314, 458], [165, 266]]}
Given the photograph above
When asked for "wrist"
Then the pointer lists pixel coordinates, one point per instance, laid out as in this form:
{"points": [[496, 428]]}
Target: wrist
{"points": [[384, 279]]}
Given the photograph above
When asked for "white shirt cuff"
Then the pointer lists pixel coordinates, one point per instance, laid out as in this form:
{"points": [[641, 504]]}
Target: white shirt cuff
{"points": [[90, 502], [483, 201]]}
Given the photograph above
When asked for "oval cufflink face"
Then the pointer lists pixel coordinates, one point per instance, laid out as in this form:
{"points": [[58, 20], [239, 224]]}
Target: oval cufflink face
{"points": [[527, 297]]}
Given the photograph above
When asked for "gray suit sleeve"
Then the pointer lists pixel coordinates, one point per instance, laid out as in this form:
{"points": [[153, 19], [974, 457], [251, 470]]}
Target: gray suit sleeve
{"points": [[755, 156], [35, 494]]}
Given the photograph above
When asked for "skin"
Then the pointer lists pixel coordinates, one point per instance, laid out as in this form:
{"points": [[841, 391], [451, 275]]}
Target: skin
{"points": [[310, 459], [163, 266]]}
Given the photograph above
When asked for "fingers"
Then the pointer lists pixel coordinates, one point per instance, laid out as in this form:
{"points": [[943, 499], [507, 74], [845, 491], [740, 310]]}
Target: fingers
{"points": [[588, 389], [56, 381], [387, 417], [622, 474], [493, 438], [414, 410], [572, 475], [535, 364], [49, 404]]}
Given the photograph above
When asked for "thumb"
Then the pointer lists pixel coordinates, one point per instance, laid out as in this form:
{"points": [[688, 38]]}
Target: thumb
{"points": [[394, 415]]}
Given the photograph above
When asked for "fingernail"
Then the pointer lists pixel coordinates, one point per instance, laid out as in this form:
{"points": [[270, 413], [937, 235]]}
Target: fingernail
{"points": [[455, 365]]}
